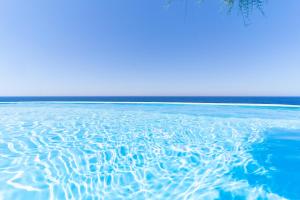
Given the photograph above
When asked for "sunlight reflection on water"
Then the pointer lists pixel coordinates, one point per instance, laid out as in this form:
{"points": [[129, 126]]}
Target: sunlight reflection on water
{"points": [[137, 151]]}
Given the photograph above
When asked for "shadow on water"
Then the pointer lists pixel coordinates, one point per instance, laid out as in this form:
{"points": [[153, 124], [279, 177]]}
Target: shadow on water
{"points": [[279, 155]]}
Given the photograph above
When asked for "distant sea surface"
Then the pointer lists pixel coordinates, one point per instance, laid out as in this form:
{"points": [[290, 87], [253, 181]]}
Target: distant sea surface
{"points": [[192, 99]]}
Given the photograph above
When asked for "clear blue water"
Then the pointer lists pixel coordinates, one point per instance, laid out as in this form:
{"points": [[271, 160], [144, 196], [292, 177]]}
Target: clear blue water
{"points": [[81, 150]]}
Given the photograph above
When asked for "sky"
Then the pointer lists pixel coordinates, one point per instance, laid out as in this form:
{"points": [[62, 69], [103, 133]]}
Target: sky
{"points": [[148, 48]]}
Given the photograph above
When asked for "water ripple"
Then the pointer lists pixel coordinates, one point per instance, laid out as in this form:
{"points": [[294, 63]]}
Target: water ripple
{"points": [[95, 151]]}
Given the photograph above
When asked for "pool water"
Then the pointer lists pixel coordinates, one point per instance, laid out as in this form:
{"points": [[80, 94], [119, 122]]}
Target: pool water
{"points": [[90, 150]]}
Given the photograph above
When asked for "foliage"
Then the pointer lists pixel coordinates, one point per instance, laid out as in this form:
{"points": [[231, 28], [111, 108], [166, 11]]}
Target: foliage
{"points": [[245, 7]]}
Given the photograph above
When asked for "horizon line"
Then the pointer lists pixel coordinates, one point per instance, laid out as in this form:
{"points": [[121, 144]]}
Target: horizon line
{"points": [[151, 96]]}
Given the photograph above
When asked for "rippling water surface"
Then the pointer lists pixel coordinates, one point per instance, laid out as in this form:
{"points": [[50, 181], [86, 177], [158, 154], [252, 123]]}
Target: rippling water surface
{"points": [[65, 150]]}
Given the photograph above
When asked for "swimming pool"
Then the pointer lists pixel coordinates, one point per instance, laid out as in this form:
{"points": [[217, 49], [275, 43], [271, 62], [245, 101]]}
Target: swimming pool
{"points": [[97, 150]]}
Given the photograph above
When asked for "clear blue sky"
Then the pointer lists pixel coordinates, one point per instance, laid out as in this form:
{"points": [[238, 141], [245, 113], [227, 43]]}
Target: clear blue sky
{"points": [[141, 47]]}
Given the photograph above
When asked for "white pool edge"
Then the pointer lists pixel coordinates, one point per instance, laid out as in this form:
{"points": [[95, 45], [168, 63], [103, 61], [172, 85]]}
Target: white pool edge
{"points": [[164, 103]]}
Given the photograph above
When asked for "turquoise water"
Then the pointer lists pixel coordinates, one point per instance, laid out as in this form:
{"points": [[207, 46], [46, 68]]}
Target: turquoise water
{"points": [[65, 150]]}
